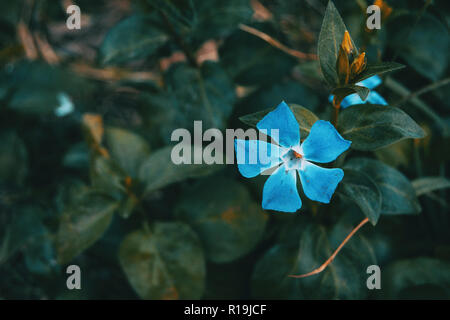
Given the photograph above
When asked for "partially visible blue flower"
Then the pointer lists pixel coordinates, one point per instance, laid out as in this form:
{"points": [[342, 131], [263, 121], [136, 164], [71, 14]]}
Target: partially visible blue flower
{"points": [[373, 97], [323, 144], [65, 106]]}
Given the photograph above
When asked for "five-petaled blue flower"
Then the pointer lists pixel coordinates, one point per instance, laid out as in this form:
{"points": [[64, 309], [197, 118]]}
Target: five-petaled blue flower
{"points": [[373, 97], [323, 144]]}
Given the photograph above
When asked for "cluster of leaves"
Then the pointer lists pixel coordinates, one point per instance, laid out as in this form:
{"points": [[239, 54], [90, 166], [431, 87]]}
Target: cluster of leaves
{"points": [[97, 187]]}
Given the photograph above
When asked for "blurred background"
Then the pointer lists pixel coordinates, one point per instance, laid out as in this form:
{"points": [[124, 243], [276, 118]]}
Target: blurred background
{"points": [[85, 175]]}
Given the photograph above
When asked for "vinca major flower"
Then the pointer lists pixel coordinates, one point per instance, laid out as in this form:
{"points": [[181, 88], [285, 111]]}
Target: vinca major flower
{"points": [[323, 144], [373, 97]]}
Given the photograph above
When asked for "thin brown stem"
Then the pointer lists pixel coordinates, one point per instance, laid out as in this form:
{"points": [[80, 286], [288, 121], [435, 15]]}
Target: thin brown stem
{"points": [[277, 44], [331, 258], [337, 108]]}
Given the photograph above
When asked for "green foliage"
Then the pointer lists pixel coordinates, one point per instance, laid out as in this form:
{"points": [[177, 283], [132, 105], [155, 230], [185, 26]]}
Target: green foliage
{"points": [[97, 187], [127, 149], [249, 60], [82, 224], [164, 263], [134, 38], [424, 46], [330, 38], [305, 250], [397, 193], [370, 127], [230, 224], [364, 192]]}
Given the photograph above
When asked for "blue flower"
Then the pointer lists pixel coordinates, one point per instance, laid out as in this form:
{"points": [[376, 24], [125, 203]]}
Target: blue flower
{"points": [[373, 97], [323, 144]]}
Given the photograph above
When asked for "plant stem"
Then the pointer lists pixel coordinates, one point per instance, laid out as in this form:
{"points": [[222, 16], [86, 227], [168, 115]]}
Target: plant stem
{"points": [[331, 258], [337, 107], [264, 36]]}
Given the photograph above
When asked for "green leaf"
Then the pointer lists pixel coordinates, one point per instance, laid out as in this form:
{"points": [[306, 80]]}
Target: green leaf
{"points": [[158, 170], [305, 118], [424, 45], [342, 92], [417, 278], [363, 191], [26, 233], [107, 176], [82, 224], [13, 158], [205, 95], [134, 38], [330, 38], [378, 68], [166, 263], [398, 195], [216, 18], [197, 21], [344, 278], [430, 184], [370, 127], [37, 95], [127, 149], [252, 61], [224, 216]]}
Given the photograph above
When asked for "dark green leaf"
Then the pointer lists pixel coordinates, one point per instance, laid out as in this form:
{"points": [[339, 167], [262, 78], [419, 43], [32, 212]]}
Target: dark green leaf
{"points": [[205, 95], [417, 278], [127, 149], [344, 278], [82, 224], [106, 175], [134, 38], [370, 127], [424, 45], [330, 38], [305, 118], [379, 68], [430, 184], [398, 195], [158, 170], [35, 94], [197, 21], [222, 212], [363, 191], [342, 92], [166, 263], [13, 158], [27, 233]]}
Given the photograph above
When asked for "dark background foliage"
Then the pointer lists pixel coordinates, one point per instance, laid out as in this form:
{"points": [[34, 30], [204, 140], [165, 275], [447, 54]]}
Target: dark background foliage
{"points": [[95, 188]]}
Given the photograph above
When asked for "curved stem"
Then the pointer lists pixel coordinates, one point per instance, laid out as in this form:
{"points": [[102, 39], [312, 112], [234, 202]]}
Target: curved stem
{"points": [[331, 258], [277, 44]]}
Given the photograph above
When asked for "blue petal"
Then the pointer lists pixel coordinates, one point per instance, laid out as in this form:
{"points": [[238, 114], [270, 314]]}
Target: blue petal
{"points": [[324, 143], [280, 191], [319, 183], [255, 156], [375, 98], [351, 99], [284, 121], [371, 82]]}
